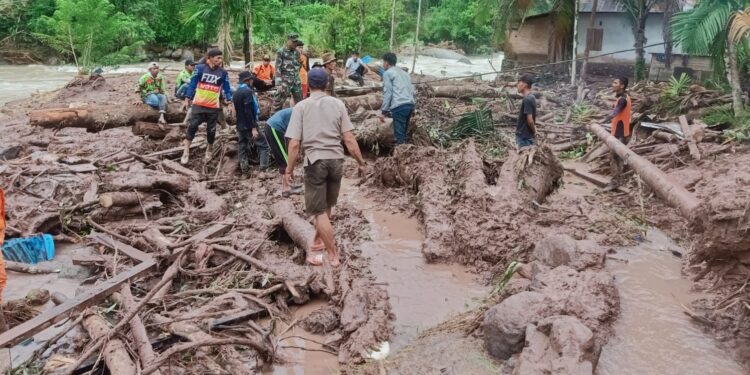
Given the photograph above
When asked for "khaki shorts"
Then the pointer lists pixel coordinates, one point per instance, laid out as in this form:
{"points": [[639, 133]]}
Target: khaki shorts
{"points": [[322, 185]]}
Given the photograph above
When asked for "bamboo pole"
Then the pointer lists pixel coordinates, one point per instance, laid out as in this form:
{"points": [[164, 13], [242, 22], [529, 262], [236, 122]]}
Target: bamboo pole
{"points": [[416, 37]]}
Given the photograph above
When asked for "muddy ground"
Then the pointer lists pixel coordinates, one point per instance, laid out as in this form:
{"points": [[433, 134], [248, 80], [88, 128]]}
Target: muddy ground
{"points": [[537, 235]]}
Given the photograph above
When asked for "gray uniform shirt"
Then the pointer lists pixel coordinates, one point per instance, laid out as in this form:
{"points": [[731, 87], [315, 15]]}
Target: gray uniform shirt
{"points": [[320, 122]]}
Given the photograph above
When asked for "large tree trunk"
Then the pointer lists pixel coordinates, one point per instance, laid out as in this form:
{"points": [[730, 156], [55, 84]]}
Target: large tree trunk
{"points": [[733, 76], [587, 49], [146, 180], [667, 189], [298, 229], [669, 8], [374, 133], [247, 41], [369, 102], [101, 117], [640, 41]]}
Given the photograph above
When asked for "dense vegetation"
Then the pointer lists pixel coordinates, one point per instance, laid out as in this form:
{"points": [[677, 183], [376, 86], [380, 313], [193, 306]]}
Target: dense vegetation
{"points": [[91, 32]]}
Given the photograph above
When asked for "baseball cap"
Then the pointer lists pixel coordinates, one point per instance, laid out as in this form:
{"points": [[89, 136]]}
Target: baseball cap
{"points": [[153, 65], [244, 76], [300, 43], [317, 78], [189, 62]]}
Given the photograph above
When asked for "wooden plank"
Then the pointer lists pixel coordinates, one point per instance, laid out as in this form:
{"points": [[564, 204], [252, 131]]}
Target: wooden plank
{"points": [[688, 133], [214, 230], [88, 298], [110, 242], [180, 169], [595, 179], [239, 317]]}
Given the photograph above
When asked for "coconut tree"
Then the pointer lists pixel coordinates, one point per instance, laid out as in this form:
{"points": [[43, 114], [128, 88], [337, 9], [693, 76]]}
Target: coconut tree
{"points": [[715, 28], [227, 14], [638, 10]]}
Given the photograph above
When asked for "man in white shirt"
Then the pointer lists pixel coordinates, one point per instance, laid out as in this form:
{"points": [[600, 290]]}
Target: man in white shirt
{"points": [[355, 69]]}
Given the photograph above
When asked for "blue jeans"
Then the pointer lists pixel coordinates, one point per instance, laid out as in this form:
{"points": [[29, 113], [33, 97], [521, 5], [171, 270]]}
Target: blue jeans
{"points": [[156, 101], [401, 116], [179, 92], [524, 142]]}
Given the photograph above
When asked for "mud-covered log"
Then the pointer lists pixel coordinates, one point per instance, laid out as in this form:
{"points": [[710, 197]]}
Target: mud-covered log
{"points": [[298, 229], [114, 213], [372, 132], [368, 102], [115, 351], [667, 189], [98, 118], [210, 206], [122, 199], [137, 329], [151, 129], [466, 92], [146, 180]]}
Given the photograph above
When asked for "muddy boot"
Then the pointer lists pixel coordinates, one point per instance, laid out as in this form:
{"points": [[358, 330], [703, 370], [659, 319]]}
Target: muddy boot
{"points": [[185, 155], [209, 152], [245, 168]]}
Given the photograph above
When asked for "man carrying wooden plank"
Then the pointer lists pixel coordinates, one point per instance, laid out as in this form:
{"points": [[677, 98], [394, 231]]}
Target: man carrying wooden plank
{"points": [[319, 124], [620, 119]]}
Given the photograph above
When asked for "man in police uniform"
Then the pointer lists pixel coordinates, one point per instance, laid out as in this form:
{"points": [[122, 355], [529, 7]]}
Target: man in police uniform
{"points": [[287, 78]]}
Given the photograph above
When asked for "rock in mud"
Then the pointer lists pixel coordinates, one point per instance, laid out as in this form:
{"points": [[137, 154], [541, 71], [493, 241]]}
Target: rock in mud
{"points": [[10, 151], [562, 250], [557, 345], [505, 323], [320, 321]]}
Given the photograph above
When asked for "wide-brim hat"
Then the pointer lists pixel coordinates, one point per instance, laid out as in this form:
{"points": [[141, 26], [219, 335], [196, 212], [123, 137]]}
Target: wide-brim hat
{"points": [[328, 57]]}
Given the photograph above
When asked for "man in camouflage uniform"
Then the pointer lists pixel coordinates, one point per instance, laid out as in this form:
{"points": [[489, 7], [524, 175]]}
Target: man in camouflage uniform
{"points": [[287, 78]]}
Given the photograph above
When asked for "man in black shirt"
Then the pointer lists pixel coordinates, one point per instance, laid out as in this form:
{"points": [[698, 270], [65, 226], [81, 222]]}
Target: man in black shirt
{"points": [[526, 127], [246, 108]]}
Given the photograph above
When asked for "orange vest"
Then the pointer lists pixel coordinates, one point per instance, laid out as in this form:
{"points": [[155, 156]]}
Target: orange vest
{"points": [[302, 70], [264, 73], [623, 116]]}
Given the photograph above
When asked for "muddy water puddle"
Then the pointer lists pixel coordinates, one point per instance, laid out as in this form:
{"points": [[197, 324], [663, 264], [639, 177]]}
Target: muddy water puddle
{"points": [[652, 333], [421, 295]]}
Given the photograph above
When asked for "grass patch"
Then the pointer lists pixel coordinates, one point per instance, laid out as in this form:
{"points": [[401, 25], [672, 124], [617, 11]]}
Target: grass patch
{"points": [[739, 126]]}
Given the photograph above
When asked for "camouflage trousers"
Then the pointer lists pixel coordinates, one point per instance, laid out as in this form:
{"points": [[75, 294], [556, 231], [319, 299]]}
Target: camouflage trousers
{"points": [[283, 92]]}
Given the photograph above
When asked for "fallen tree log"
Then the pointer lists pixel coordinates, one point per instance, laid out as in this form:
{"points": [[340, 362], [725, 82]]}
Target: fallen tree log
{"points": [[368, 102], [137, 329], [98, 118], [122, 199], [667, 189], [347, 91], [211, 206], [146, 180], [298, 229], [152, 129], [115, 352], [466, 92], [372, 132]]}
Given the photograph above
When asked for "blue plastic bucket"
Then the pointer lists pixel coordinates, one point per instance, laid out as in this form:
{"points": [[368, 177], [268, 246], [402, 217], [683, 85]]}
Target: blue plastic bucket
{"points": [[30, 250]]}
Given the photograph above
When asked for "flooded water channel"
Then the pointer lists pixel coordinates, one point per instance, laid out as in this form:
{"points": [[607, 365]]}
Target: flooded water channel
{"points": [[652, 333]]}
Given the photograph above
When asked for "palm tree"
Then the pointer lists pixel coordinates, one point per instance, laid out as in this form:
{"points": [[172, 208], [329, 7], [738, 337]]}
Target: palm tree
{"points": [[505, 12], [228, 13], [714, 28], [639, 11]]}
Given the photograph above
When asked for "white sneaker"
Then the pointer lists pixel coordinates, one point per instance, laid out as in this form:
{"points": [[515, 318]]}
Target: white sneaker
{"points": [[185, 156], [209, 152]]}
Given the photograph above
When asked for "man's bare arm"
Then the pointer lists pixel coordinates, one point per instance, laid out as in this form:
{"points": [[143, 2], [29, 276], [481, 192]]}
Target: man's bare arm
{"points": [[293, 155], [351, 144], [532, 124]]}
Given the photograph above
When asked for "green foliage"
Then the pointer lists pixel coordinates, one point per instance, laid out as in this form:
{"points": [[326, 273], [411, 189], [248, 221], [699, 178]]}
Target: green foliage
{"points": [[473, 124], [582, 114], [677, 86], [671, 100], [575, 153], [92, 32], [739, 126], [457, 20]]}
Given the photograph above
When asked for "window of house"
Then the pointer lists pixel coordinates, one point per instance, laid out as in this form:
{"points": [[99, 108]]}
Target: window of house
{"points": [[594, 37]]}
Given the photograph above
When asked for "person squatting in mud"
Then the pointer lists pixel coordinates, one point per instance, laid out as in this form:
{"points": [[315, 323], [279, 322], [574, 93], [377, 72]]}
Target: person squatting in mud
{"points": [[287, 79], [398, 98], [526, 126], [275, 134], [153, 87], [319, 124], [205, 90], [619, 119]]}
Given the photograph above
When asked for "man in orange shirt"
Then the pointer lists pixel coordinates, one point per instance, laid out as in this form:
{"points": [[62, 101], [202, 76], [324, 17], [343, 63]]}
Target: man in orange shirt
{"points": [[305, 67], [264, 74]]}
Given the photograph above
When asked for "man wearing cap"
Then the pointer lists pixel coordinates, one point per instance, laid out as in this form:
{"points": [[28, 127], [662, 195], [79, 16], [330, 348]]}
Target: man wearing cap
{"points": [[329, 63], [153, 87], [287, 81], [304, 67], [183, 79], [264, 75], [319, 124], [206, 86], [355, 69], [526, 126], [246, 108], [398, 97]]}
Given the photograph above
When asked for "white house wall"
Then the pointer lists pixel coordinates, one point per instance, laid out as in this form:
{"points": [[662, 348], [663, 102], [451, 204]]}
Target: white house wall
{"points": [[618, 35]]}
